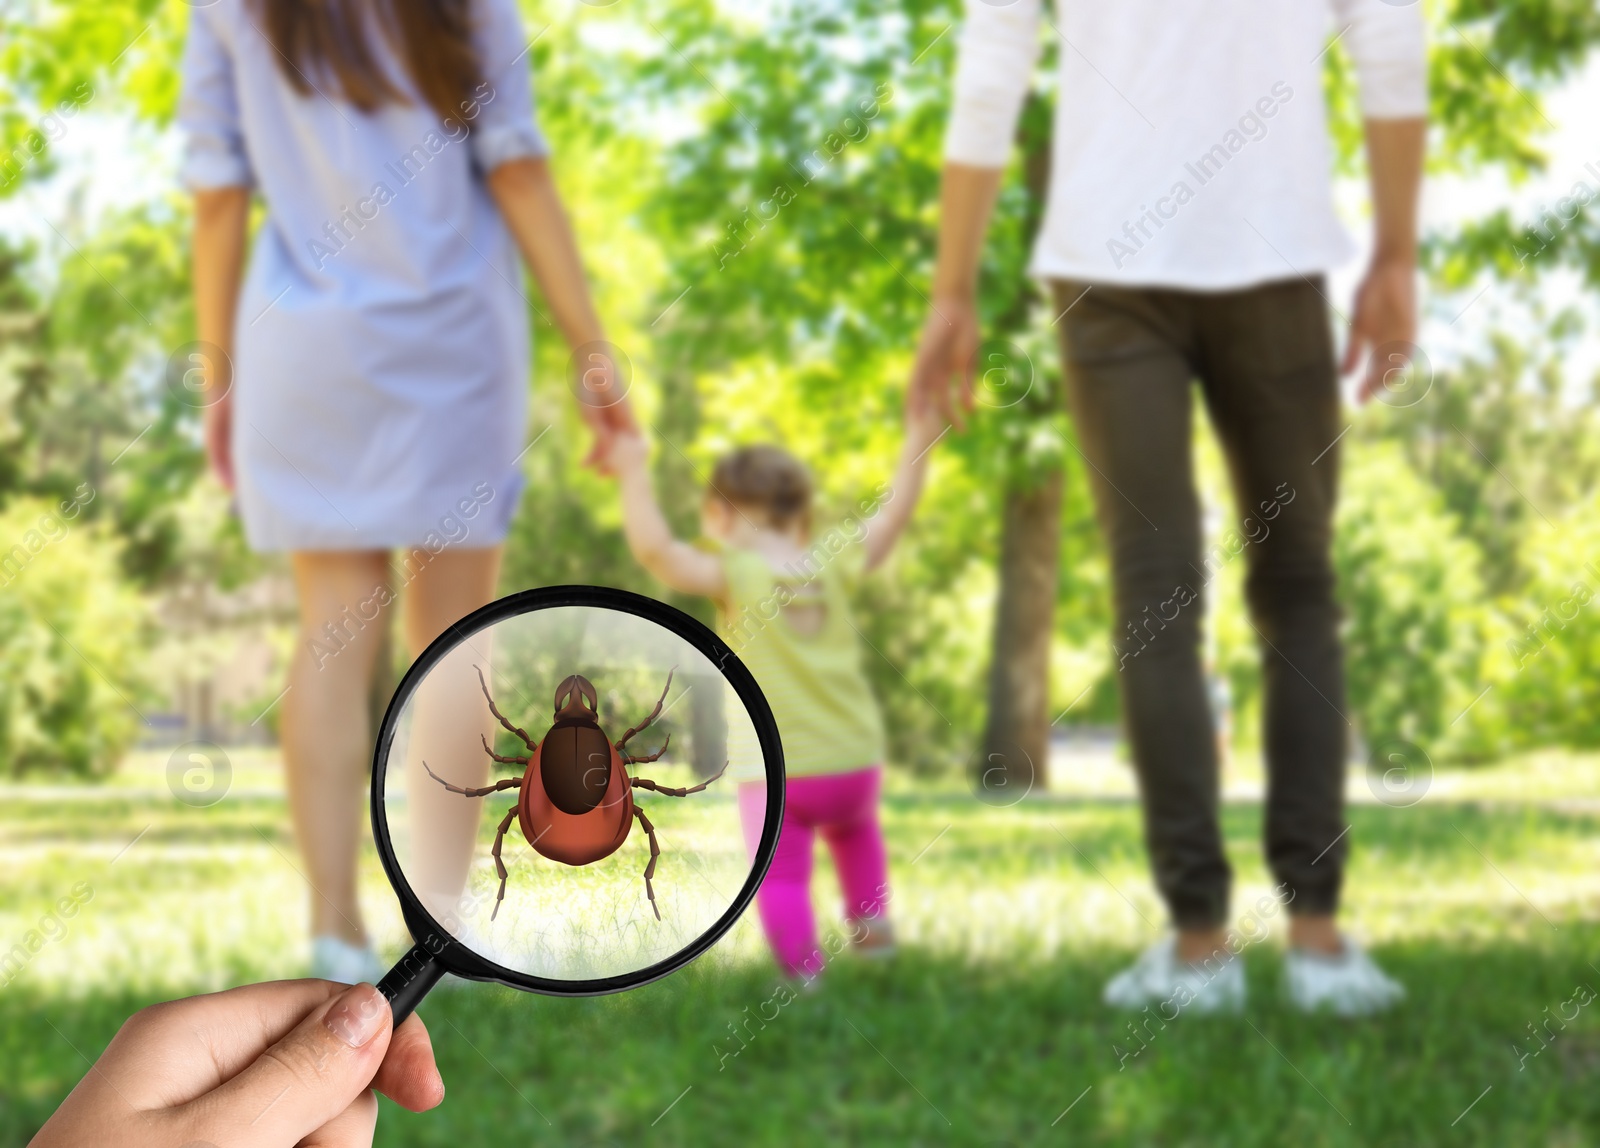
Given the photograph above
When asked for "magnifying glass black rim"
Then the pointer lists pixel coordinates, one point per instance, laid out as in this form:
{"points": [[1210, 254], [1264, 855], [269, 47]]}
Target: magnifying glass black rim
{"points": [[456, 957]]}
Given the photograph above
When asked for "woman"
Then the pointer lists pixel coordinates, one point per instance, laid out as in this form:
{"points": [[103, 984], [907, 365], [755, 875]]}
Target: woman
{"points": [[367, 379]]}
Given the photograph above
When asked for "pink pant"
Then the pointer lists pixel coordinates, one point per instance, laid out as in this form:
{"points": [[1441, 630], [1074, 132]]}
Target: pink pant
{"points": [[844, 806]]}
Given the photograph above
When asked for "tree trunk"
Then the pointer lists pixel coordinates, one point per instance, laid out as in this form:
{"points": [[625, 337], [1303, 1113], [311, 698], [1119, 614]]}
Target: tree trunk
{"points": [[708, 726], [1016, 739], [680, 487]]}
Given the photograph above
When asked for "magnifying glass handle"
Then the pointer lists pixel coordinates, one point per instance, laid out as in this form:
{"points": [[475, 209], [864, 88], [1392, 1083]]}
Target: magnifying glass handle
{"points": [[409, 981]]}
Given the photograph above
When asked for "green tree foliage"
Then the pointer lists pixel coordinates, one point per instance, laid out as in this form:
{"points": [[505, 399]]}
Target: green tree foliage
{"points": [[72, 640], [1414, 601], [1502, 440], [1546, 661], [1491, 65]]}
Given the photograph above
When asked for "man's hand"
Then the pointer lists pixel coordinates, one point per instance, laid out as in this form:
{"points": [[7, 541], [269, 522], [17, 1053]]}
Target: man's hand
{"points": [[941, 378], [1383, 328], [264, 1066]]}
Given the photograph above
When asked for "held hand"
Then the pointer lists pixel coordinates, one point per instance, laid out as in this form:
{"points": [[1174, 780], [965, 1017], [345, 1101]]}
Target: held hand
{"points": [[600, 384], [605, 423], [264, 1066], [217, 430], [1384, 325], [628, 452], [941, 377]]}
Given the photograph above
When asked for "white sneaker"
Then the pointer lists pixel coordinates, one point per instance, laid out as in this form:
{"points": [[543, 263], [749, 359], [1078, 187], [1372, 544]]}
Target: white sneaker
{"points": [[336, 960], [1159, 977], [1350, 984]]}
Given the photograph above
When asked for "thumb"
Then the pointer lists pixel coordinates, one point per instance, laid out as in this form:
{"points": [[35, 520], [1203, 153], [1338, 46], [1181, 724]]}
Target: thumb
{"points": [[305, 1080]]}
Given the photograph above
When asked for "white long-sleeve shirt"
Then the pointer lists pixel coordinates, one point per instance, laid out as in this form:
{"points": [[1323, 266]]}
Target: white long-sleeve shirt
{"points": [[1191, 145]]}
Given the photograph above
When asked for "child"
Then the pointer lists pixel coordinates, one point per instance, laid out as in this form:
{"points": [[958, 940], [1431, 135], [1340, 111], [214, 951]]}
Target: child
{"points": [[781, 605]]}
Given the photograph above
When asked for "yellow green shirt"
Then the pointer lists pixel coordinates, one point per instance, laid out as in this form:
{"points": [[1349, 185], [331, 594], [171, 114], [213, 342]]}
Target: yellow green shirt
{"points": [[826, 714]]}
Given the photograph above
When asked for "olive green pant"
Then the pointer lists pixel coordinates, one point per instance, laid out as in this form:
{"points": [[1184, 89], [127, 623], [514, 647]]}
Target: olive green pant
{"points": [[1262, 358]]}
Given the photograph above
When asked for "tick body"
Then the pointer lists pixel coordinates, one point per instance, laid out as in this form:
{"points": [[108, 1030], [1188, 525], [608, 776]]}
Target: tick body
{"points": [[575, 796]]}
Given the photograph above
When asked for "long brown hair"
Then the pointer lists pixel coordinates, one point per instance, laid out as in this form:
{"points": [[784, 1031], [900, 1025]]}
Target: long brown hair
{"points": [[319, 39]]}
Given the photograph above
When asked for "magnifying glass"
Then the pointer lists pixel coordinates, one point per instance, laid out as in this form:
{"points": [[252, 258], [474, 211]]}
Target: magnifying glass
{"points": [[554, 795]]}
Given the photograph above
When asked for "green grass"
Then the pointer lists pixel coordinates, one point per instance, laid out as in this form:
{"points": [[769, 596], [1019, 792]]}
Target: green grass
{"points": [[1484, 899]]}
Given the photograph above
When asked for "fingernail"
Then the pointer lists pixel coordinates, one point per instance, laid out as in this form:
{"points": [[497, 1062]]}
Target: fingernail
{"points": [[358, 1015]]}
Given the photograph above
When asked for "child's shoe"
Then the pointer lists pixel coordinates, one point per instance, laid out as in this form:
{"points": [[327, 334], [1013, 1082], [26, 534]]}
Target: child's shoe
{"points": [[876, 939]]}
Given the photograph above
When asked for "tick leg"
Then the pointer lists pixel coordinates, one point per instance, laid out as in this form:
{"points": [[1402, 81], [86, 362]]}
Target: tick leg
{"points": [[655, 851], [629, 759], [497, 757], [499, 865], [655, 713], [522, 733], [508, 783], [646, 783]]}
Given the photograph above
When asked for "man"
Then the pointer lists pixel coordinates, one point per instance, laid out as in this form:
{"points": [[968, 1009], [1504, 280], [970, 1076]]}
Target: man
{"points": [[1188, 229]]}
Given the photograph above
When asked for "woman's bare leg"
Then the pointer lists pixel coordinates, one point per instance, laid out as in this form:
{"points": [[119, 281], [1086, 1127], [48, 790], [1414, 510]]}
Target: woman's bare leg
{"points": [[451, 719], [327, 742]]}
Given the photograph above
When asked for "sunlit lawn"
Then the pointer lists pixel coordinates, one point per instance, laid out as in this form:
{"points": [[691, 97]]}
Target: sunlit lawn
{"points": [[1484, 898]]}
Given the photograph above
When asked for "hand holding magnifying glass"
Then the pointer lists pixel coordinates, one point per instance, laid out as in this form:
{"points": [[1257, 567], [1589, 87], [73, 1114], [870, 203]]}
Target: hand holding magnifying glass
{"points": [[290, 1062], [505, 803]]}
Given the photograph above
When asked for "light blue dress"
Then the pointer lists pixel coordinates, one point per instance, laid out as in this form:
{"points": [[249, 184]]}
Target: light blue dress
{"points": [[381, 346]]}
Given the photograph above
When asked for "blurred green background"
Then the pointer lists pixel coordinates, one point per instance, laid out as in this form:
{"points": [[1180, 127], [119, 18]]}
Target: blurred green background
{"points": [[755, 190]]}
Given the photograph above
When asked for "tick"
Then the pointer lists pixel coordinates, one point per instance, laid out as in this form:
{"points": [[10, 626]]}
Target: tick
{"points": [[576, 802]]}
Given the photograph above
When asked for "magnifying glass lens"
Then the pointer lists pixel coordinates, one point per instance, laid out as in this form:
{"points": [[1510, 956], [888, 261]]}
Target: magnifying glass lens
{"points": [[556, 794]]}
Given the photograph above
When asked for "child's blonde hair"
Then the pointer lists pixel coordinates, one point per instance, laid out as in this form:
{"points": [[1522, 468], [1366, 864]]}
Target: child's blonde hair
{"points": [[767, 477]]}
